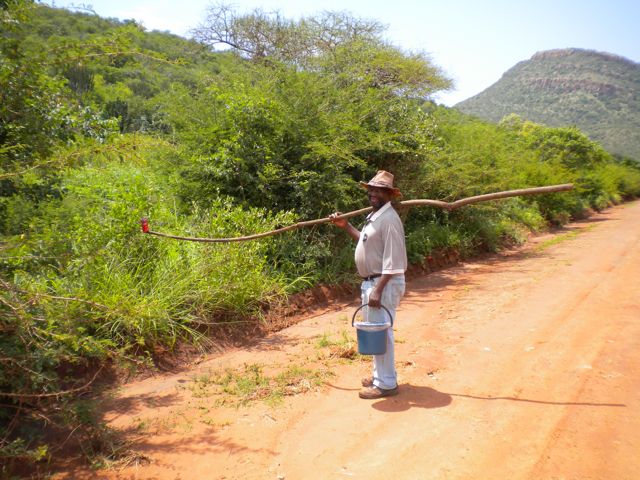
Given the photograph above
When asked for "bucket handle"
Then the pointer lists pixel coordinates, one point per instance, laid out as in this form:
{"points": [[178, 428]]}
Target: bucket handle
{"points": [[353, 318]]}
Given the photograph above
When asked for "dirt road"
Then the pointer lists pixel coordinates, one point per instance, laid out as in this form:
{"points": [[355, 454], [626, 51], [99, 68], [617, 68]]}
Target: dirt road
{"points": [[522, 365]]}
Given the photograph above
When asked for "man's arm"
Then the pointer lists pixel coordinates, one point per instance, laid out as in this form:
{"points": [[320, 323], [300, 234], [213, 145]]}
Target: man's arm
{"points": [[376, 293], [393, 263], [345, 225]]}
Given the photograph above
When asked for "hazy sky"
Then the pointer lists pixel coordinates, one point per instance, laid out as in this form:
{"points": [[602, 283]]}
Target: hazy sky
{"points": [[473, 41]]}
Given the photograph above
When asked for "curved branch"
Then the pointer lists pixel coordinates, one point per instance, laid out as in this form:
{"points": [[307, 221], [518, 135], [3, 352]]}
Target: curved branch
{"points": [[407, 203], [53, 394]]}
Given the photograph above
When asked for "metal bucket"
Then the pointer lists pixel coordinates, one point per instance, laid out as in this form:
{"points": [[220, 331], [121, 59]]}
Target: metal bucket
{"points": [[372, 336]]}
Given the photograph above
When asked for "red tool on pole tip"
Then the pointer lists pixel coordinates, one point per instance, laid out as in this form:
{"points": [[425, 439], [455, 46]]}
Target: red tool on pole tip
{"points": [[144, 223]]}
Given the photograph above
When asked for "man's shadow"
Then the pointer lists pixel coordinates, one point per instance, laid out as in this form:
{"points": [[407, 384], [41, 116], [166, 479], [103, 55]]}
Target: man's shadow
{"points": [[416, 396], [412, 396]]}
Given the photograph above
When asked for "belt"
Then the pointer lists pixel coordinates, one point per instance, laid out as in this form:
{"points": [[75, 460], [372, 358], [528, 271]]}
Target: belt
{"points": [[371, 277]]}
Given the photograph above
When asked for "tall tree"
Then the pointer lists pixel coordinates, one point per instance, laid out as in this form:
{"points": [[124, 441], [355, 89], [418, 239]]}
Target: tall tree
{"points": [[332, 42]]}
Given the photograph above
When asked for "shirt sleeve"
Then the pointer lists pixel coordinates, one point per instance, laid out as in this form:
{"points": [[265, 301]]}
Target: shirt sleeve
{"points": [[394, 257]]}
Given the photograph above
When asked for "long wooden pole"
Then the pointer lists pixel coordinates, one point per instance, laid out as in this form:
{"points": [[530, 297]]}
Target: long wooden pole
{"points": [[406, 203]]}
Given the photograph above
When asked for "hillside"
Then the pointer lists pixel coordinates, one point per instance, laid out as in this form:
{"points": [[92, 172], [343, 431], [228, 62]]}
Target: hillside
{"points": [[597, 92]]}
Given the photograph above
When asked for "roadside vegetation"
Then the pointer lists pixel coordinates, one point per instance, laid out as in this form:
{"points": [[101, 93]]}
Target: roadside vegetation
{"points": [[102, 123]]}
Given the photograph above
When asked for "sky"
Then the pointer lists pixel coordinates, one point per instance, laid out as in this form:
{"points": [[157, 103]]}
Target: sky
{"points": [[473, 42]]}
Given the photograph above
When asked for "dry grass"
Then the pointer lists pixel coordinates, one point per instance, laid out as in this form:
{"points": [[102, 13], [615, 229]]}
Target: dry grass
{"points": [[237, 387]]}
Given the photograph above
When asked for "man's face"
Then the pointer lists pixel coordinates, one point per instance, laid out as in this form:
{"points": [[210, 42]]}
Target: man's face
{"points": [[378, 196]]}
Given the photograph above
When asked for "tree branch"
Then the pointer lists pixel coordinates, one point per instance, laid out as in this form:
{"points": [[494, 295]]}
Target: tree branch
{"points": [[408, 203], [54, 394]]}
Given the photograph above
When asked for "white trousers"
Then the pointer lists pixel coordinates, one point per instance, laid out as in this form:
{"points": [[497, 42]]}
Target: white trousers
{"points": [[384, 370]]}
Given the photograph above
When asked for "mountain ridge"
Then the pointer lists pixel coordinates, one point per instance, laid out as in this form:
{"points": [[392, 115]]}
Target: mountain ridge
{"points": [[598, 92]]}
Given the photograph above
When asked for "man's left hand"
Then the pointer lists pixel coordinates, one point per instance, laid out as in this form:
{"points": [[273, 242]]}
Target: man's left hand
{"points": [[374, 298]]}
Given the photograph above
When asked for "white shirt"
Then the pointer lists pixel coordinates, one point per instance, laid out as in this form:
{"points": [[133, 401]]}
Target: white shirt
{"points": [[381, 248]]}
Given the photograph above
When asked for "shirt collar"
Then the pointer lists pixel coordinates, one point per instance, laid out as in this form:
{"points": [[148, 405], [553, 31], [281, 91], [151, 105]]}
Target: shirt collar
{"points": [[374, 215]]}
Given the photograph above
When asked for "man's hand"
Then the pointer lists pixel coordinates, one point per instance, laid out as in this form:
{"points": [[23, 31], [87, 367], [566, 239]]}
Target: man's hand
{"points": [[338, 222], [374, 298], [376, 294], [345, 225]]}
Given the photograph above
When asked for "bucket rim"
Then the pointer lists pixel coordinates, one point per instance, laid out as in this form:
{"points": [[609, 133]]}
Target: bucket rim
{"points": [[372, 327]]}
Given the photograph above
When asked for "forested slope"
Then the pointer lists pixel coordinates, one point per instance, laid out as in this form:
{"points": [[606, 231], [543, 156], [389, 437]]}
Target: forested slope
{"points": [[595, 91]]}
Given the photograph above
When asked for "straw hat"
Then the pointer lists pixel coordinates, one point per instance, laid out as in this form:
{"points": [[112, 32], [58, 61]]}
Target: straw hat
{"points": [[382, 179]]}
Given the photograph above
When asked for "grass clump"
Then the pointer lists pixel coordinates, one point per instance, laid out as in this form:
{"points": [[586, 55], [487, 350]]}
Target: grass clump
{"points": [[237, 387], [342, 347]]}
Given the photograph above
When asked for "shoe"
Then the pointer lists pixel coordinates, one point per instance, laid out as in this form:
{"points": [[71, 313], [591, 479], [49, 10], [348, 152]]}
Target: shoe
{"points": [[371, 393], [367, 382]]}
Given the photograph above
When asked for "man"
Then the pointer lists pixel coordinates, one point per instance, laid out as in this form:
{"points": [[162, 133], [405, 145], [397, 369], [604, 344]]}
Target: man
{"points": [[381, 260]]}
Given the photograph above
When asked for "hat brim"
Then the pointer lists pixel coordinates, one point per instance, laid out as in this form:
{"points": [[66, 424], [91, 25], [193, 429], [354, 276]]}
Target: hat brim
{"points": [[394, 191]]}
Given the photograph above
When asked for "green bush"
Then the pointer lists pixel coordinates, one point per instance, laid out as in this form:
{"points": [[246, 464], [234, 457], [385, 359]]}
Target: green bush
{"points": [[85, 283]]}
